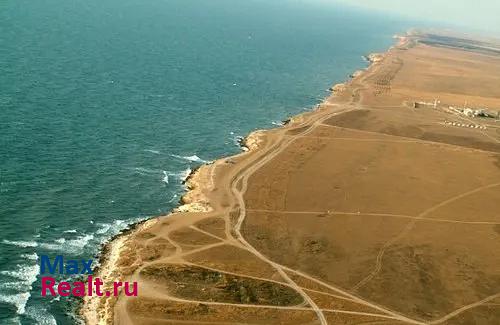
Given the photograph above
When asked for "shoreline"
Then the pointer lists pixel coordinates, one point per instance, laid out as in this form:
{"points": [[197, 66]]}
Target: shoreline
{"points": [[99, 310], [94, 310]]}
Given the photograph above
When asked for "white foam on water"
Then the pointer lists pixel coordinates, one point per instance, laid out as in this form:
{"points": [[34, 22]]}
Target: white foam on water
{"points": [[183, 176], [193, 158], [156, 152], [60, 240], [17, 300], [173, 198], [238, 140], [179, 176], [51, 246], [103, 229], [277, 123], [26, 273], [72, 246], [76, 246], [40, 315], [71, 231], [146, 171], [26, 276], [12, 285], [12, 274], [12, 321], [110, 229], [32, 256], [165, 177], [20, 243]]}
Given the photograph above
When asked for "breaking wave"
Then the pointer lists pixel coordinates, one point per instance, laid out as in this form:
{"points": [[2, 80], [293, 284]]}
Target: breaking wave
{"points": [[146, 171], [32, 256], [71, 246], [40, 315], [20, 243], [25, 275], [17, 300], [193, 158], [183, 176], [60, 244], [12, 321], [156, 152], [107, 230]]}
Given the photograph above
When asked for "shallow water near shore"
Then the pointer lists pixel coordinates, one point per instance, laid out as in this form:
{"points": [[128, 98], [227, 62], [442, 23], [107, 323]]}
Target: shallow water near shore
{"points": [[105, 107]]}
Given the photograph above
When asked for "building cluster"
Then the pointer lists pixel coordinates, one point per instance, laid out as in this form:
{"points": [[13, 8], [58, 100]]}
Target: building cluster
{"points": [[469, 112], [479, 113], [474, 112]]}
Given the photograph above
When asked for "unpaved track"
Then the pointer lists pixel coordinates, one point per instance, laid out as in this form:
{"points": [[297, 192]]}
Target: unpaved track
{"points": [[238, 194], [238, 203], [409, 227], [234, 184], [243, 177], [391, 215]]}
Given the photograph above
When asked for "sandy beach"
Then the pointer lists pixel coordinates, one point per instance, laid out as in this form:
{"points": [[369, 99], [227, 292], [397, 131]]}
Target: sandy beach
{"points": [[377, 207]]}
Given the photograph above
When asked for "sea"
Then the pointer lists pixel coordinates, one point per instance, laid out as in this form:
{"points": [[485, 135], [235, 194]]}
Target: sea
{"points": [[107, 105]]}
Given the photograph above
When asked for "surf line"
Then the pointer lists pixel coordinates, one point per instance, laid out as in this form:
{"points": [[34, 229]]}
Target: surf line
{"points": [[78, 268]]}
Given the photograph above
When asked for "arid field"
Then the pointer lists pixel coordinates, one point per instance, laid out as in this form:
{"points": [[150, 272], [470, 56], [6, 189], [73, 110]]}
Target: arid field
{"points": [[380, 207]]}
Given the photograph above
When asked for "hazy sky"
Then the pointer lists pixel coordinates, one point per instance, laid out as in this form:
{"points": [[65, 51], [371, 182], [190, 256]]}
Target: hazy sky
{"points": [[476, 14]]}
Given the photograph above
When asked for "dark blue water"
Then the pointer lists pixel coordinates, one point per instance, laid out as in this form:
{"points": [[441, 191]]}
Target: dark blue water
{"points": [[106, 104]]}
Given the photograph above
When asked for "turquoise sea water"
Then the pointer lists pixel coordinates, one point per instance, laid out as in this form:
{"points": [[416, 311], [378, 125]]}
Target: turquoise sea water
{"points": [[105, 105]]}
